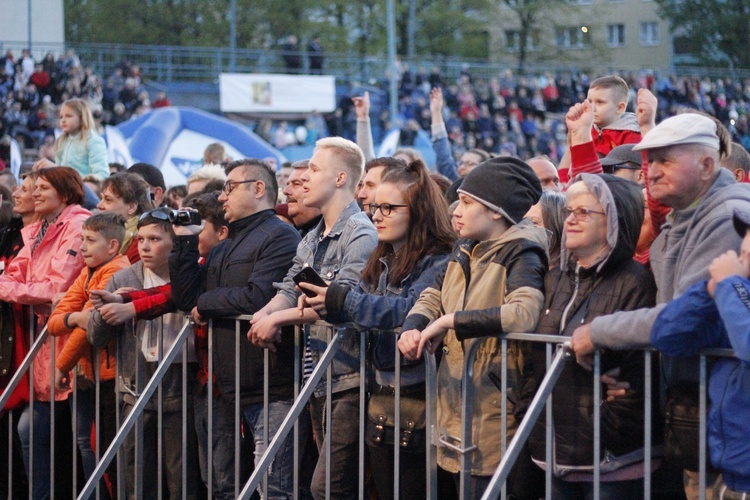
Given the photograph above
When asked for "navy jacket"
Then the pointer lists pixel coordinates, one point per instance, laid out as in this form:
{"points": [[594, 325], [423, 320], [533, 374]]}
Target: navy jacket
{"points": [[237, 278]]}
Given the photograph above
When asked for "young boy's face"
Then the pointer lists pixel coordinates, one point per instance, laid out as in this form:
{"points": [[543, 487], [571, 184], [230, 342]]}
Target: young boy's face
{"points": [[606, 108], [473, 220], [95, 249], [154, 245], [208, 238]]}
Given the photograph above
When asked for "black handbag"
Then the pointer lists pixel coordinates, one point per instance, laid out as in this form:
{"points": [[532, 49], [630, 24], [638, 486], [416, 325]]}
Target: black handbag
{"points": [[381, 417]]}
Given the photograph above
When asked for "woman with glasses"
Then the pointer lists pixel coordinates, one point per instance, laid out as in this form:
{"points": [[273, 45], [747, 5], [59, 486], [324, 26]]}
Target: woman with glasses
{"points": [[414, 244], [597, 276], [46, 266]]}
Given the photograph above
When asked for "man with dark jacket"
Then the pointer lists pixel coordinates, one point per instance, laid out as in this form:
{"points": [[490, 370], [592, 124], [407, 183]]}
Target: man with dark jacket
{"points": [[237, 279]]}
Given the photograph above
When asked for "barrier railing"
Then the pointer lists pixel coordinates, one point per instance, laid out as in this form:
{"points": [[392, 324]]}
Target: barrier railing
{"points": [[556, 361]]}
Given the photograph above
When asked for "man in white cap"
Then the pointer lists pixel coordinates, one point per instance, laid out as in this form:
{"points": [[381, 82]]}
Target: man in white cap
{"points": [[684, 173]]}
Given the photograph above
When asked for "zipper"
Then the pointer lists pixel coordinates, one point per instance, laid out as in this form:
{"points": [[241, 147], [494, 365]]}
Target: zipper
{"points": [[572, 299]]}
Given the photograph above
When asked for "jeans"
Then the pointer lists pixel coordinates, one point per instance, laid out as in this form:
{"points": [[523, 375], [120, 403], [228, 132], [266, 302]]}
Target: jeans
{"points": [[344, 445], [84, 412], [608, 490], [41, 451], [281, 470], [172, 430], [223, 458]]}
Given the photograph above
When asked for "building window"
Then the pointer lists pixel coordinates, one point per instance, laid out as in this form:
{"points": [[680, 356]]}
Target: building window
{"points": [[572, 37], [513, 40], [580, 2], [616, 35], [649, 33]]}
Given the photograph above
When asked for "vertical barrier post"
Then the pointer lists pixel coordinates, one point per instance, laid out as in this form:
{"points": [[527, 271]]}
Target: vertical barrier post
{"points": [[597, 421]]}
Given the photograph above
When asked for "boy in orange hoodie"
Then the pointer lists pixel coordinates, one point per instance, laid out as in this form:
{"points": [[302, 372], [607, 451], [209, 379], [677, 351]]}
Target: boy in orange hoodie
{"points": [[101, 237]]}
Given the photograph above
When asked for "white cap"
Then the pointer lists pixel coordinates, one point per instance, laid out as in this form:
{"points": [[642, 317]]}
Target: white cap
{"points": [[687, 128]]}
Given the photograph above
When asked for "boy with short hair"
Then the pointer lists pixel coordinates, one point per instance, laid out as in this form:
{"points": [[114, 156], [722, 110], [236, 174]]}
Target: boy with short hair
{"points": [[714, 313], [613, 126], [493, 284], [139, 346], [101, 237]]}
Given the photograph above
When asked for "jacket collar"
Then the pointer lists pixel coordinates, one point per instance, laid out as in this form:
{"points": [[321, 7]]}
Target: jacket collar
{"points": [[350, 210], [249, 222]]}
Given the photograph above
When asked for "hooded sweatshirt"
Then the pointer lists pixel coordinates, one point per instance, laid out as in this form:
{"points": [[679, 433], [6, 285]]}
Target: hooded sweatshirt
{"points": [[625, 130], [574, 295]]}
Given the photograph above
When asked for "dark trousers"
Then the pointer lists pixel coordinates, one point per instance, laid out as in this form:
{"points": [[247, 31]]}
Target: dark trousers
{"points": [[344, 445]]}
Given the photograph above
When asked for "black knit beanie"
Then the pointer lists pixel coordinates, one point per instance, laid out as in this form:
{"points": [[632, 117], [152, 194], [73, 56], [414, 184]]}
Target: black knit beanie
{"points": [[506, 185]]}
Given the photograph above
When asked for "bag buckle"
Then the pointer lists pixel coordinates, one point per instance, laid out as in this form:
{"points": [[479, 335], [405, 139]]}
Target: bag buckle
{"points": [[380, 428], [407, 433]]}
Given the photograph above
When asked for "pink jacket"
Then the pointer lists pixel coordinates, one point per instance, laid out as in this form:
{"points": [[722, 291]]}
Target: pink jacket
{"points": [[36, 279]]}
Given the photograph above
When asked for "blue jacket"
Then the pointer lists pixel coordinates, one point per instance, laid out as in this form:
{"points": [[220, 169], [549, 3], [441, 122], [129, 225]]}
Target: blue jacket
{"points": [[350, 242], [444, 161], [695, 321], [383, 308]]}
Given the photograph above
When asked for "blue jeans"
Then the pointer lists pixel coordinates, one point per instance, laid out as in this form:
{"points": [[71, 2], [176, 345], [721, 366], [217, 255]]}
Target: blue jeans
{"points": [[41, 422], [281, 471], [85, 413]]}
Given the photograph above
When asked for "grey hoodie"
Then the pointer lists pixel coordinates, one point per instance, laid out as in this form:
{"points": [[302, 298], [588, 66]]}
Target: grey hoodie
{"points": [[689, 241]]}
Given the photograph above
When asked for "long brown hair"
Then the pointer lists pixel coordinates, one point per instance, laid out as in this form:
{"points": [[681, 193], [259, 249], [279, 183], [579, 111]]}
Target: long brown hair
{"points": [[430, 230]]}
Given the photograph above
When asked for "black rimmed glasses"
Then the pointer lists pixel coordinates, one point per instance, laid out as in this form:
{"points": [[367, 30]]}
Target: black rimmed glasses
{"points": [[579, 214], [230, 185], [385, 208]]}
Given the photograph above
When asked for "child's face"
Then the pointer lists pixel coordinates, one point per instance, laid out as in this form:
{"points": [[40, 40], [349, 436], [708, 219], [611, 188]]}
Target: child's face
{"points": [[606, 108], [95, 249], [473, 220], [70, 121], [208, 238], [154, 245]]}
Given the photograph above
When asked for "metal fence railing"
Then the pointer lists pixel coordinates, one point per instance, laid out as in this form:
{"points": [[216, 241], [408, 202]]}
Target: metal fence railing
{"points": [[131, 424]]}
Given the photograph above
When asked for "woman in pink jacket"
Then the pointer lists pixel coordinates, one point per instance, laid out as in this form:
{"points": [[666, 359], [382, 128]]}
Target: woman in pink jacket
{"points": [[48, 263]]}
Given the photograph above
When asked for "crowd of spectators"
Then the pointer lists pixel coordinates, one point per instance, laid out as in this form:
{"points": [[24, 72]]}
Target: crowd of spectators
{"points": [[510, 114], [32, 91]]}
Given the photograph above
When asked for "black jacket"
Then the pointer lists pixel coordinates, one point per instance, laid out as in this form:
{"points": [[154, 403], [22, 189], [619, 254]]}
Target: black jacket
{"points": [[575, 296], [238, 278]]}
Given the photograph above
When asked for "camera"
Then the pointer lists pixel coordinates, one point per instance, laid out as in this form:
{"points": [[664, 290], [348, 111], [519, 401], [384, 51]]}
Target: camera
{"points": [[185, 218]]}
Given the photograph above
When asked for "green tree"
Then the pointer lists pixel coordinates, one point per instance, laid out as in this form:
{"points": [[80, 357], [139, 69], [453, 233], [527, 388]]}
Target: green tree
{"points": [[716, 32]]}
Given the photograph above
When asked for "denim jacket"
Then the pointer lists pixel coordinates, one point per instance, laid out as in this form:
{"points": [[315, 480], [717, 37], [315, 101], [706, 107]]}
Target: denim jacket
{"points": [[351, 241], [382, 309]]}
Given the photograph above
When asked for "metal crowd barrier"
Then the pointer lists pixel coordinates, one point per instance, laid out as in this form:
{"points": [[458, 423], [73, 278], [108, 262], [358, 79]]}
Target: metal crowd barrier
{"points": [[244, 489]]}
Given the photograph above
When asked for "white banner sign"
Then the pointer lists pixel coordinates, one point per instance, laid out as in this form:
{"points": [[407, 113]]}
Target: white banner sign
{"points": [[243, 93]]}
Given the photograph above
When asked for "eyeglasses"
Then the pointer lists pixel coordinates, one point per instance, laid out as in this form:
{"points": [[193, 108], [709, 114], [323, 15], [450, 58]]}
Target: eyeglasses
{"points": [[469, 164], [157, 213], [385, 208], [230, 185], [579, 214]]}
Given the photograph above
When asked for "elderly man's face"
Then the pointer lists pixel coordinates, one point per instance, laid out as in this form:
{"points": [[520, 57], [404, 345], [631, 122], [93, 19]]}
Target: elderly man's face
{"points": [[678, 175]]}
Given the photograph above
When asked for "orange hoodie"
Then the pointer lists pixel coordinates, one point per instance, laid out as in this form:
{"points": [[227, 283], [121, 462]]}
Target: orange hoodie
{"points": [[76, 299]]}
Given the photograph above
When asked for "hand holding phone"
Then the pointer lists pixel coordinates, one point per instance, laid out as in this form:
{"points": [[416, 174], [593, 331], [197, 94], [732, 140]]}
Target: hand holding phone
{"points": [[309, 275]]}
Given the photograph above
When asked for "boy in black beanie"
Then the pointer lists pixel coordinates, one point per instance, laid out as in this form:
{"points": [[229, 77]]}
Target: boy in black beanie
{"points": [[492, 285]]}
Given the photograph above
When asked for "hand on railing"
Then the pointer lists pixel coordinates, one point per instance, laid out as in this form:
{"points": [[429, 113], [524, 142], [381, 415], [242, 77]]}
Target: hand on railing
{"points": [[264, 331], [581, 344], [62, 381], [197, 318], [117, 314], [411, 343], [101, 297]]}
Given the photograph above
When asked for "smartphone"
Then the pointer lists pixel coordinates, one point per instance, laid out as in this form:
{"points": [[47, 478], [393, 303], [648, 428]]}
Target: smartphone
{"points": [[309, 275]]}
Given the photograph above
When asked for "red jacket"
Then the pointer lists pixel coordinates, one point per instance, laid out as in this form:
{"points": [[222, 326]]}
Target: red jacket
{"points": [[624, 131]]}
